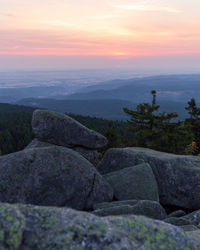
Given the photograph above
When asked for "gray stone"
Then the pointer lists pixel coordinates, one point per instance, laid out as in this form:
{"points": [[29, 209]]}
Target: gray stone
{"points": [[33, 227], [89, 154], [178, 176], [177, 213], [178, 221], [150, 209], [53, 176], [195, 237], [114, 204], [60, 129], [134, 183], [194, 217], [35, 143]]}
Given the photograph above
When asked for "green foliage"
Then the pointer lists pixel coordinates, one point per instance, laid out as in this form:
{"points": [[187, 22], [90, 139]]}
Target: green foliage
{"points": [[15, 128], [193, 122], [192, 149], [148, 127], [156, 130]]}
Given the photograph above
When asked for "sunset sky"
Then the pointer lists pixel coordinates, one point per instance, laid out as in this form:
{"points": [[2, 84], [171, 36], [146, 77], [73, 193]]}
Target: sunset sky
{"points": [[106, 32]]}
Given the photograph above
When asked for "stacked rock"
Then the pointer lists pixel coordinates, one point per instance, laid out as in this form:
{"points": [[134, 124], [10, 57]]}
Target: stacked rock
{"points": [[50, 175], [56, 170], [59, 129]]}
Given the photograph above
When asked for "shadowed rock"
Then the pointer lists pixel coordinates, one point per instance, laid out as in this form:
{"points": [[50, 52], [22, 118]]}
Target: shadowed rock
{"points": [[114, 204], [54, 176], [60, 129], [177, 176], [178, 221], [33, 227], [177, 213], [150, 209]]}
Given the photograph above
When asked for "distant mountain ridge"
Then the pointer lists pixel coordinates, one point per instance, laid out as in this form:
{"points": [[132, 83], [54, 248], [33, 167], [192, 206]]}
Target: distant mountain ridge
{"points": [[179, 88], [101, 108], [108, 109]]}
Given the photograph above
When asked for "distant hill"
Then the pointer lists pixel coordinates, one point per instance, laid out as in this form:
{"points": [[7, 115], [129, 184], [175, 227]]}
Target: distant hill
{"points": [[108, 109], [11, 95], [102, 108], [178, 88]]}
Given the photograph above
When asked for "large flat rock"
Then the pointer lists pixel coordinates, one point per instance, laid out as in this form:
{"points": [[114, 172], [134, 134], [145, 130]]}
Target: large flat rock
{"points": [[33, 227], [62, 130], [177, 176], [54, 176]]}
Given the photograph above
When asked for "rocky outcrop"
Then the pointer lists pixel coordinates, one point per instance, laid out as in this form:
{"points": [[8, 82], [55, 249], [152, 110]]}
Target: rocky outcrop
{"points": [[177, 176], [62, 130], [49, 175], [134, 183], [150, 209], [89, 154], [54, 176], [32, 227]]}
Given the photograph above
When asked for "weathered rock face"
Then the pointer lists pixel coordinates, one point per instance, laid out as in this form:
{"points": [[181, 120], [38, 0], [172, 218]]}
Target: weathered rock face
{"points": [[194, 217], [54, 176], [32, 227], [150, 209], [60, 129], [177, 176], [195, 237], [134, 183], [89, 154]]}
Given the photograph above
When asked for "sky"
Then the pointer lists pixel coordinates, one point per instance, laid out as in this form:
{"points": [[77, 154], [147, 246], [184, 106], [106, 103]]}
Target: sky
{"points": [[97, 34]]}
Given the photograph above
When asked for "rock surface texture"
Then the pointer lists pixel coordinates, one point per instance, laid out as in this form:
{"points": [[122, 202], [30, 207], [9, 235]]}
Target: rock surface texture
{"points": [[134, 183], [89, 154], [32, 227], [62, 130], [54, 176], [177, 176], [130, 182]]}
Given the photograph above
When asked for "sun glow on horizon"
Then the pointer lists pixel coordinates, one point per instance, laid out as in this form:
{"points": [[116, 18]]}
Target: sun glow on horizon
{"points": [[118, 29]]}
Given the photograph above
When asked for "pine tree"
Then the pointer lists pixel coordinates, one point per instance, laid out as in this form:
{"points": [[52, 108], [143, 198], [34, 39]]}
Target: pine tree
{"points": [[156, 130], [193, 122]]}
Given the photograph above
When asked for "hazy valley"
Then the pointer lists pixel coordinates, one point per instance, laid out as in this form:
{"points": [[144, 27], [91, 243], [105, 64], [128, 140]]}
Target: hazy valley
{"points": [[97, 95]]}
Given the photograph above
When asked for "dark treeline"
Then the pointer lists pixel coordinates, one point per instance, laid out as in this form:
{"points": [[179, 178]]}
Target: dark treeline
{"points": [[147, 127], [15, 127]]}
